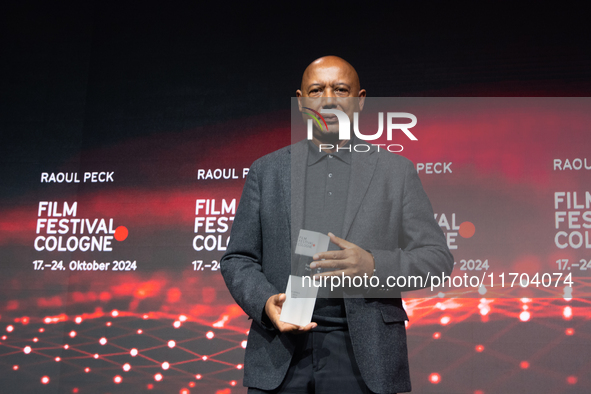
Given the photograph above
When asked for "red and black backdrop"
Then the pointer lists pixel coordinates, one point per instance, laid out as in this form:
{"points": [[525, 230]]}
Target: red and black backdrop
{"points": [[125, 131]]}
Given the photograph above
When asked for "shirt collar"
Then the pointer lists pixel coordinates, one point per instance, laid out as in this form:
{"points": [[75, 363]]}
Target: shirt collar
{"points": [[315, 154]]}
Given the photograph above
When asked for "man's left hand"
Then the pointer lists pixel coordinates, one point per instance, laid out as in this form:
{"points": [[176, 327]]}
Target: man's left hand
{"points": [[351, 260]]}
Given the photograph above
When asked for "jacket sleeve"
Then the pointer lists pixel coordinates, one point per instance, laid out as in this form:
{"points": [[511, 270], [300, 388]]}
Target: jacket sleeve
{"points": [[241, 265], [423, 248]]}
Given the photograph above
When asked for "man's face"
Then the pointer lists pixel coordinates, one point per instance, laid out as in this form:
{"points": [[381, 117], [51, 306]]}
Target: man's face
{"points": [[330, 83]]}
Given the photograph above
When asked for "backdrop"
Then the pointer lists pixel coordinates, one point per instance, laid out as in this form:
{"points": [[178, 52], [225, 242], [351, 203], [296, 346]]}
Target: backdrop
{"points": [[127, 131]]}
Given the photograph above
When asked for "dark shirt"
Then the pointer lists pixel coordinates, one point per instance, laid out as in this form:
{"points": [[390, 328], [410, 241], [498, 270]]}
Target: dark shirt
{"points": [[326, 189]]}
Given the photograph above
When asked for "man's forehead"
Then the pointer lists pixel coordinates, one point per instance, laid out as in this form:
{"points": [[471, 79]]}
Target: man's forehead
{"points": [[330, 73], [321, 72]]}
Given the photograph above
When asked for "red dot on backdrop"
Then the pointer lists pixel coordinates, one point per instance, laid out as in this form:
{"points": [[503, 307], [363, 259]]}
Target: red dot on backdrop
{"points": [[121, 233], [524, 365], [434, 378], [467, 229], [571, 380]]}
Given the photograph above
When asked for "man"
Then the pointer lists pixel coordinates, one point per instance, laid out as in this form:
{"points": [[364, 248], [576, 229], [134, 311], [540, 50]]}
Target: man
{"points": [[380, 222]]}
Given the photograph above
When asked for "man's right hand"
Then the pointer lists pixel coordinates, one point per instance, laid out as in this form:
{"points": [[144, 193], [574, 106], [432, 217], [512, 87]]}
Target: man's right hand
{"points": [[273, 311]]}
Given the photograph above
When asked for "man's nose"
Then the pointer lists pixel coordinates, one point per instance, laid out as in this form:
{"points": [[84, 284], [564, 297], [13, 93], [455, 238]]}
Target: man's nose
{"points": [[329, 99]]}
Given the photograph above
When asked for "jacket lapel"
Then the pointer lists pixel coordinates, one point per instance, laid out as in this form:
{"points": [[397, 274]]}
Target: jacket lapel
{"points": [[294, 187]]}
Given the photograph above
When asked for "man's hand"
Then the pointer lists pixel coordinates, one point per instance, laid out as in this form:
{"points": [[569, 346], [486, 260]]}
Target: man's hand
{"points": [[351, 260], [273, 311]]}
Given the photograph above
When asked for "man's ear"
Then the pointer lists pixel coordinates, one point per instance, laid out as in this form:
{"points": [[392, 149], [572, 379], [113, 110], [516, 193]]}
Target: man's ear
{"points": [[362, 95], [299, 96]]}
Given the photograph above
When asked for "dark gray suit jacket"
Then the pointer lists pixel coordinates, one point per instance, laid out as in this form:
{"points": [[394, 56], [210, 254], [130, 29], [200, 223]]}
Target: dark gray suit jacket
{"points": [[387, 212]]}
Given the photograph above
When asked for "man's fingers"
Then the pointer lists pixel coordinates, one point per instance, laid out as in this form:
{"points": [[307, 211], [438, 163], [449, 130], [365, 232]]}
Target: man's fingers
{"points": [[288, 327], [331, 255], [308, 327], [341, 243], [280, 299], [332, 264], [273, 307]]}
